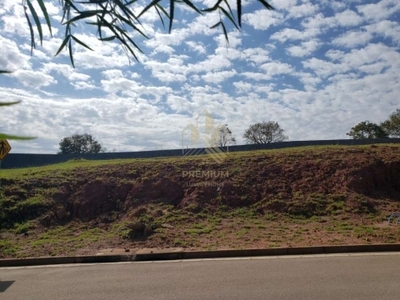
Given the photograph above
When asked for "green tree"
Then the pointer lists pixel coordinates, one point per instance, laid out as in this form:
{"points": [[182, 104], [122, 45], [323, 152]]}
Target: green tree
{"points": [[79, 144], [367, 130], [116, 20], [392, 124], [264, 133]]}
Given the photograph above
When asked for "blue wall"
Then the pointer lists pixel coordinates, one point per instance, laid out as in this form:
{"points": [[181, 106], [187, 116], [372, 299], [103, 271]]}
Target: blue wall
{"points": [[15, 160]]}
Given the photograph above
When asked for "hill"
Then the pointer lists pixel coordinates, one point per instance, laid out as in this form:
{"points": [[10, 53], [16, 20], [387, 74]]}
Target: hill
{"points": [[270, 198]]}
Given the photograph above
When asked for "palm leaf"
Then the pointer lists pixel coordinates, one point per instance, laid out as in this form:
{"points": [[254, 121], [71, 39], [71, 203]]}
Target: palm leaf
{"points": [[225, 32], [191, 5], [159, 15], [46, 15], [84, 15], [64, 43], [30, 30], [36, 19], [229, 17], [214, 8], [81, 43], [152, 3], [171, 13], [266, 5], [15, 137], [71, 57], [9, 103], [239, 11]]}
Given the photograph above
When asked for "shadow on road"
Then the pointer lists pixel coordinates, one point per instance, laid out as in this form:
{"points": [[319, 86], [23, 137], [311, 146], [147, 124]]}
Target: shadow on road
{"points": [[5, 285]]}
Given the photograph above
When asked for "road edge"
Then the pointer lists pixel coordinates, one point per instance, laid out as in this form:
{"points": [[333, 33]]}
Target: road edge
{"points": [[182, 255]]}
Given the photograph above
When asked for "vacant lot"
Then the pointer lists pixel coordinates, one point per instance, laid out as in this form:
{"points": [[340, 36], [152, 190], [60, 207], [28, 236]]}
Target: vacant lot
{"points": [[272, 198]]}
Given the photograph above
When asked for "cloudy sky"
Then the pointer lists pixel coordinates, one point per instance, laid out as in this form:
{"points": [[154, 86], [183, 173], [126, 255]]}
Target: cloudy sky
{"points": [[316, 67]]}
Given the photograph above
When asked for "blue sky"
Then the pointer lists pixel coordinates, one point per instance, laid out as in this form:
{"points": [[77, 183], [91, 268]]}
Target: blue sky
{"points": [[316, 67]]}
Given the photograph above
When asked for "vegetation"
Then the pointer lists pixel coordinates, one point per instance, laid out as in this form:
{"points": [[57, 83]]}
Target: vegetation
{"points": [[299, 196], [79, 144], [392, 124], [118, 20], [221, 137], [367, 130], [264, 133]]}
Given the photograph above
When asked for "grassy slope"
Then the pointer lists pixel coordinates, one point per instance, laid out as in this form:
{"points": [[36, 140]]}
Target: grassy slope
{"points": [[287, 197]]}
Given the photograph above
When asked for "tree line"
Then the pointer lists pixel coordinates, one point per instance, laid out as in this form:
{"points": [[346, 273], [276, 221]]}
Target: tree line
{"points": [[390, 128], [222, 136], [259, 133]]}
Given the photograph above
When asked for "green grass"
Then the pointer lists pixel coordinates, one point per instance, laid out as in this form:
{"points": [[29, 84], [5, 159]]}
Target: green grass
{"points": [[23, 228], [197, 231], [345, 227], [14, 211], [8, 248], [241, 233], [58, 169], [214, 220], [68, 238]]}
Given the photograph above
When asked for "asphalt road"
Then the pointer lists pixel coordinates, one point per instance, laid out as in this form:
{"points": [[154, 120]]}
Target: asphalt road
{"points": [[360, 276]]}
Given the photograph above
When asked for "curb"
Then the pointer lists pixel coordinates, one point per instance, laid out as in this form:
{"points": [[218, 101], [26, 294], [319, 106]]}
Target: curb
{"points": [[58, 260], [267, 252], [180, 255]]}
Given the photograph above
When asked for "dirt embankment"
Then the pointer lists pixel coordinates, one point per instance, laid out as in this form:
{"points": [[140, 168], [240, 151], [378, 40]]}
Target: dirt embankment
{"points": [[300, 183], [272, 182]]}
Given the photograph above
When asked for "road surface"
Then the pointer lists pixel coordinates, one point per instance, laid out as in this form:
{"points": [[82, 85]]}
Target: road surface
{"points": [[356, 276]]}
